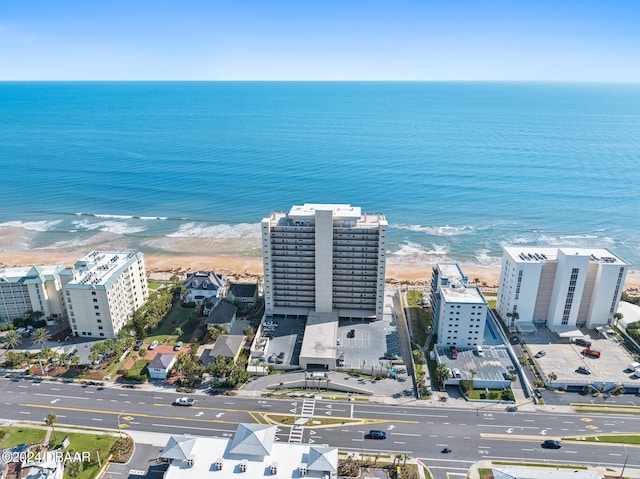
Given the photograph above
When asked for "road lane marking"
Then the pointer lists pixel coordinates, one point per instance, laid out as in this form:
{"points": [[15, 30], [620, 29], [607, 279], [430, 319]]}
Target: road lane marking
{"points": [[122, 394], [116, 413], [96, 419], [399, 442], [59, 396], [404, 434], [56, 389], [192, 427], [24, 412]]}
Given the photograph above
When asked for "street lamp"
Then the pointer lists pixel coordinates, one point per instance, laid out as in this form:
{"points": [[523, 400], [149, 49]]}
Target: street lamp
{"points": [[625, 463]]}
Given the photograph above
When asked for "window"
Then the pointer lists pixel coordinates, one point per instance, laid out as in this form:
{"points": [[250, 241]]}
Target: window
{"points": [[101, 334], [95, 300]]}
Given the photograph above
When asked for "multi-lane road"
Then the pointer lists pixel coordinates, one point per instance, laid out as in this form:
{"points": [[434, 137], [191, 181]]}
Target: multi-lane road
{"points": [[419, 431]]}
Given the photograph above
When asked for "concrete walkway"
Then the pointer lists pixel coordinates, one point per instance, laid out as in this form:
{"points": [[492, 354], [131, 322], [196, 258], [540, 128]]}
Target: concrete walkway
{"points": [[474, 470]]}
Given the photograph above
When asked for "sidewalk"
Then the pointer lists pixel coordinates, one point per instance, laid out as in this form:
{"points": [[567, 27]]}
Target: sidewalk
{"points": [[549, 472]]}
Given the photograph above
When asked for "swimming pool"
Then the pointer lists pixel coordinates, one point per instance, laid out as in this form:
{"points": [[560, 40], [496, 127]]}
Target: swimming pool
{"points": [[491, 331]]}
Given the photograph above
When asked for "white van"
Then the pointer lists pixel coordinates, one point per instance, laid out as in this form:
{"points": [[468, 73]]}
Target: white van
{"points": [[479, 350]]}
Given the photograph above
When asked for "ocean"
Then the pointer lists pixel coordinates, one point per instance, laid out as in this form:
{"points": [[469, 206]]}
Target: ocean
{"points": [[459, 169]]}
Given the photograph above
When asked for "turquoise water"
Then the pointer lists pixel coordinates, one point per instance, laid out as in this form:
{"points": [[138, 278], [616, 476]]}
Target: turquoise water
{"points": [[459, 169]]}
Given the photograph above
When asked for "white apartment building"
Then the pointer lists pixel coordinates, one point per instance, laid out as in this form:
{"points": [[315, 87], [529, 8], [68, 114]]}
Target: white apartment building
{"points": [[459, 310], [31, 288], [562, 288], [326, 259], [103, 291]]}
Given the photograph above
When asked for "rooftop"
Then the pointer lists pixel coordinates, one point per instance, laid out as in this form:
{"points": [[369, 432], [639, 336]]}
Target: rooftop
{"points": [[253, 452], [462, 294], [222, 313], [538, 254], [100, 268], [30, 274]]}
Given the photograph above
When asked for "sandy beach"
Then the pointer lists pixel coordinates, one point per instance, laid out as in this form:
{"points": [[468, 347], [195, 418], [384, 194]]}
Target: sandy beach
{"points": [[245, 267]]}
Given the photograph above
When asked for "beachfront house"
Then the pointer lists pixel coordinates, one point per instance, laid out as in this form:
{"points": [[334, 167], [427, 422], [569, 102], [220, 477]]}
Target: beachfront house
{"points": [[245, 295], [205, 288]]}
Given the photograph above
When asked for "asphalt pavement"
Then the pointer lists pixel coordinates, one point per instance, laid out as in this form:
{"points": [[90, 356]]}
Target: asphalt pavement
{"points": [[414, 427]]}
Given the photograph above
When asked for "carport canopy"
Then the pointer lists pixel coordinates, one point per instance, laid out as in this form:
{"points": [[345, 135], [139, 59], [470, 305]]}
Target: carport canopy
{"points": [[568, 331], [526, 328]]}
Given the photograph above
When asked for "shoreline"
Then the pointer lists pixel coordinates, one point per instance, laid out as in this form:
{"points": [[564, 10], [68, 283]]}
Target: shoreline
{"points": [[161, 266]]}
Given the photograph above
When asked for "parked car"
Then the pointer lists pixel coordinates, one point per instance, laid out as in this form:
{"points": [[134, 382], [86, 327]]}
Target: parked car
{"points": [[138, 346], [351, 333], [268, 336], [153, 345], [454, 352], [539, 354], [391, 356], [591, 352], [583, 370], [582, 342], [551, 444], [178, 346], [184, 401], [375, 434]]}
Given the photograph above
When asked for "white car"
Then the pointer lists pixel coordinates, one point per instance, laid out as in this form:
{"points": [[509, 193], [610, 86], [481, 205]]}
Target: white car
{"points": [[184, 401], [153, 345]]}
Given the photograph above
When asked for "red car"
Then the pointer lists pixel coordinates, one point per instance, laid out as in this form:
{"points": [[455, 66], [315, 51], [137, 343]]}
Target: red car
{"points": [[454, 352], [591, 352]]}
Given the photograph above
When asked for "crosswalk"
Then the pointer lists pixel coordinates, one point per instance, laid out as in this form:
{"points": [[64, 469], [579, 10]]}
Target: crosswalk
{"points": [[297, 431]]}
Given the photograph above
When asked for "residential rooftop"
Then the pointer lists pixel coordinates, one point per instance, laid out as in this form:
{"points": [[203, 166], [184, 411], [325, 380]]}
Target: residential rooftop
{"points": [[538, 254], [99, 269]]}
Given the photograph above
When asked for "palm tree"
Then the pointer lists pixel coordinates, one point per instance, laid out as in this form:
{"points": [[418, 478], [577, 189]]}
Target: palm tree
{"points": [[618, 317], [42, 336], [50, 420], [476, 280], [553, 376], [12, 339], [513, 316]]}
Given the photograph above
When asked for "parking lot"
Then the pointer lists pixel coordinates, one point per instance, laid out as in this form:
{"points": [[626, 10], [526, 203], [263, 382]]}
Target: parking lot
{"points": [[285, 338], [366, 346], [563, 358]]}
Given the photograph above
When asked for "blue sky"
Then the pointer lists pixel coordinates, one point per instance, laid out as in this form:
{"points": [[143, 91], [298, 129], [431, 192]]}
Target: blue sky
{"points": [[572, 40]]}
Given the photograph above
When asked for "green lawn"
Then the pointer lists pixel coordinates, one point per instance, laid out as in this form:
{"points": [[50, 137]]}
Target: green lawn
{"points": [[140, 366], [622, 439], [420, 319], [480, 393], [183, 318], [14, 436], [91, 443]]}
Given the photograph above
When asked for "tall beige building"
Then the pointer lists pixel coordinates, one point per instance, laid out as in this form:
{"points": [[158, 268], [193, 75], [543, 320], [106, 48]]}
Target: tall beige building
{"points": [[103, 290], [326, 259]]}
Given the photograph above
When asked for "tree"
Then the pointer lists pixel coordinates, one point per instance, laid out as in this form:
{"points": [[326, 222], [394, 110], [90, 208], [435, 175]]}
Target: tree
{"points": [[618, 317], [553, 376], [473, 372], [74, 468], [476, 280], [12, 338], [442, 373], [513, 316], [466, 385], [50, 421], [42, 336], [178, 331]]}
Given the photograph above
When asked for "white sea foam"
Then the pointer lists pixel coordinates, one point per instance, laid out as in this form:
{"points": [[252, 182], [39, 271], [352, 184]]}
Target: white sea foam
{"points": [[122, 217], [223, 232], [40, 226], [445, 230], [414, 252], [541, 239], [485, 259], [116, 227]]}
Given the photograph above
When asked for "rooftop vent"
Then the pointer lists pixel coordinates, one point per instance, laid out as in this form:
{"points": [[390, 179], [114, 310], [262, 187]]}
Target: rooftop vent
{"points": [[218, 464], [273, 469], [303, 469], [243, 465]]}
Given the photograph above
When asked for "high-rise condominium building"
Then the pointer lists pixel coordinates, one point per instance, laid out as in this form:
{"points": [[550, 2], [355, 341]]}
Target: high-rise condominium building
{"points": [[325, 258], [459, 309], [103, 291], [559, 287], [31, 288]]}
